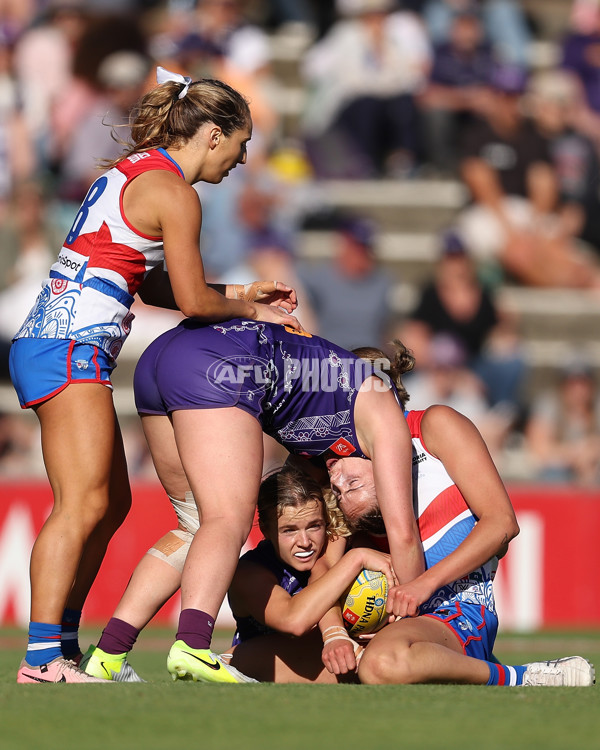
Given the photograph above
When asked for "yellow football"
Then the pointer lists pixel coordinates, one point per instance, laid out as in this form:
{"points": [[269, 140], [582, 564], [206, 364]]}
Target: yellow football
{"points": [[363, 604]]}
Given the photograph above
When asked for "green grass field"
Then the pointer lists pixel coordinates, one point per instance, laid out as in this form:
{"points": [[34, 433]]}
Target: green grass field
{"points": [[162, 715]]}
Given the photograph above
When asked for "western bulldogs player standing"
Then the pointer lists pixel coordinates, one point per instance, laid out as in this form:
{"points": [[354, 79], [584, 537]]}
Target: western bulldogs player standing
{"points": [[138, 215]]}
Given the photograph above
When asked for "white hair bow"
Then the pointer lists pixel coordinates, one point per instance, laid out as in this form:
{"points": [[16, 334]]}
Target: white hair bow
{"points": [[164, 76]]}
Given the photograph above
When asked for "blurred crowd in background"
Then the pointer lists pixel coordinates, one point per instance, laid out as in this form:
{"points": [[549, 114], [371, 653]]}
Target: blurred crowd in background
{"points": [[422, 90]]}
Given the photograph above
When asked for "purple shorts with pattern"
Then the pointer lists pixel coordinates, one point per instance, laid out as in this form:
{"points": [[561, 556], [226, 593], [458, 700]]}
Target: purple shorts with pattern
{"points": [[181, 371]]}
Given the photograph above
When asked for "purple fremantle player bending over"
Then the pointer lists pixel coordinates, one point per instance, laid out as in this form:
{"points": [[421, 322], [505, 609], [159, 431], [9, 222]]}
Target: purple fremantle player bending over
{"points": [[215, 389]]}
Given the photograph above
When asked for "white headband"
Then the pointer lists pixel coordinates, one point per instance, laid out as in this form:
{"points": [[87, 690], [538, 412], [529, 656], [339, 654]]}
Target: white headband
{"points": [[164, 76]]}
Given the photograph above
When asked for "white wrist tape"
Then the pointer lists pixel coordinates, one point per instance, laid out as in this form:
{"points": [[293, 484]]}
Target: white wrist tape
{"points": [[250, 292], [339, 634]]}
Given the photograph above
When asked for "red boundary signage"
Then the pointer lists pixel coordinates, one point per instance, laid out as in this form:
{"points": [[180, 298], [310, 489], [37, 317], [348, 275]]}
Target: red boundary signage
{"points": [[549, 578]]}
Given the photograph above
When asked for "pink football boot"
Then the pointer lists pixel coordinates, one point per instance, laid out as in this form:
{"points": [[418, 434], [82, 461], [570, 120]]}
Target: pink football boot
{"points": [[58, 670]]}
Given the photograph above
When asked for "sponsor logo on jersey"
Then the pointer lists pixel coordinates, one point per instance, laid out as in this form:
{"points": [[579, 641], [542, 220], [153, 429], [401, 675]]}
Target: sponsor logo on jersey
{"points": [[342, 447], [138, 157], [419, 458], [68, 263]]}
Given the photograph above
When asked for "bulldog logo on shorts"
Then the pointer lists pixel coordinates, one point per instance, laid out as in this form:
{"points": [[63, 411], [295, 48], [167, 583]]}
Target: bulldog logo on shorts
{"points": [[82, 364]]}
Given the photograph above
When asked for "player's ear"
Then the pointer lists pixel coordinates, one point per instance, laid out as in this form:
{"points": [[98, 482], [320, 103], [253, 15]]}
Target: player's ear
{"points": [[215, 136]]}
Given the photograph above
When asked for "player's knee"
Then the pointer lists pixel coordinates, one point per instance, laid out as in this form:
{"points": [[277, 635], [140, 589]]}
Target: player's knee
{"points": [[84, 518], [227, 526], [384, 665], [97, 512]]}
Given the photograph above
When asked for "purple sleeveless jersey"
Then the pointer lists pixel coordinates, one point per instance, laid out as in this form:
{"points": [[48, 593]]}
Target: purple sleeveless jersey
{"points": [[289, 579], [301, 388]]}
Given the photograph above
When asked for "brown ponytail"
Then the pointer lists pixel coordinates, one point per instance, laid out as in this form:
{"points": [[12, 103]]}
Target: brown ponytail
{"points": [[402, 361], [162, 119]]}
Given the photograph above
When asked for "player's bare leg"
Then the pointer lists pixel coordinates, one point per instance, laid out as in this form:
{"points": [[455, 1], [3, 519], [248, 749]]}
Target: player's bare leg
{"points": [[152, 584], [119, 504], [160, 437], [80, 442], [280, 658], [222, 453], [417, 650], [83, 454]]}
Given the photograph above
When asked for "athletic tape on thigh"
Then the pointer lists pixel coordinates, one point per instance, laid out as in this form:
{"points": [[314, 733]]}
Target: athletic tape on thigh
{"points": [[172, 548]]}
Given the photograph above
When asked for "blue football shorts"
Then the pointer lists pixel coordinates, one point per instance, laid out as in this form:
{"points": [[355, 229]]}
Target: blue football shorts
{"points": [[41, 368], [473, 625]]}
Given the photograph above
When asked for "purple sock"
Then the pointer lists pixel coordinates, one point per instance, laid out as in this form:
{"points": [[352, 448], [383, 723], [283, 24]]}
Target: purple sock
{"points": [[195, 628], [118, 637], [69, 638]]}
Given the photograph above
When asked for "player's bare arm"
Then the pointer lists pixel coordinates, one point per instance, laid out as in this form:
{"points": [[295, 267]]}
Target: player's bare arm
{"points": [[181, 239], [256, 592], [385, 438], [476, 477]]}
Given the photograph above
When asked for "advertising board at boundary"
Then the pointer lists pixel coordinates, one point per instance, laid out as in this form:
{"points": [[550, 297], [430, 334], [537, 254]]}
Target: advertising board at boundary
{"points": [[548, 579]]}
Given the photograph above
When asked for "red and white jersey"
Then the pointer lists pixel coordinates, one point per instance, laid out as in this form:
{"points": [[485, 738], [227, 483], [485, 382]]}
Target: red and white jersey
{"points": [[101, 265], [444, 520]]}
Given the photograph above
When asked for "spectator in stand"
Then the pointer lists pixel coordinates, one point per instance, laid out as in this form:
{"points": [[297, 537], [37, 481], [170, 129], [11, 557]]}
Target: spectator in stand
{"points": [[224, 24], [446, 379], [361, 119], [43, 64], [514, 221], [563, 430], [580, 56], [17, 158], [122, 78], [456, 303], [504, 21], [286, 14], [28, 238], [581, 51], [16, 16], [554, 102], [219, 42], [349, 295], [259, 213], [242, 55], [456, 91], [103, 36]]}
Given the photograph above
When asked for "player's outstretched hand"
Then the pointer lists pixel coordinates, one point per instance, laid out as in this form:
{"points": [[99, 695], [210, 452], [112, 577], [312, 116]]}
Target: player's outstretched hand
{"points": [[272, 314], [268, 293]]}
